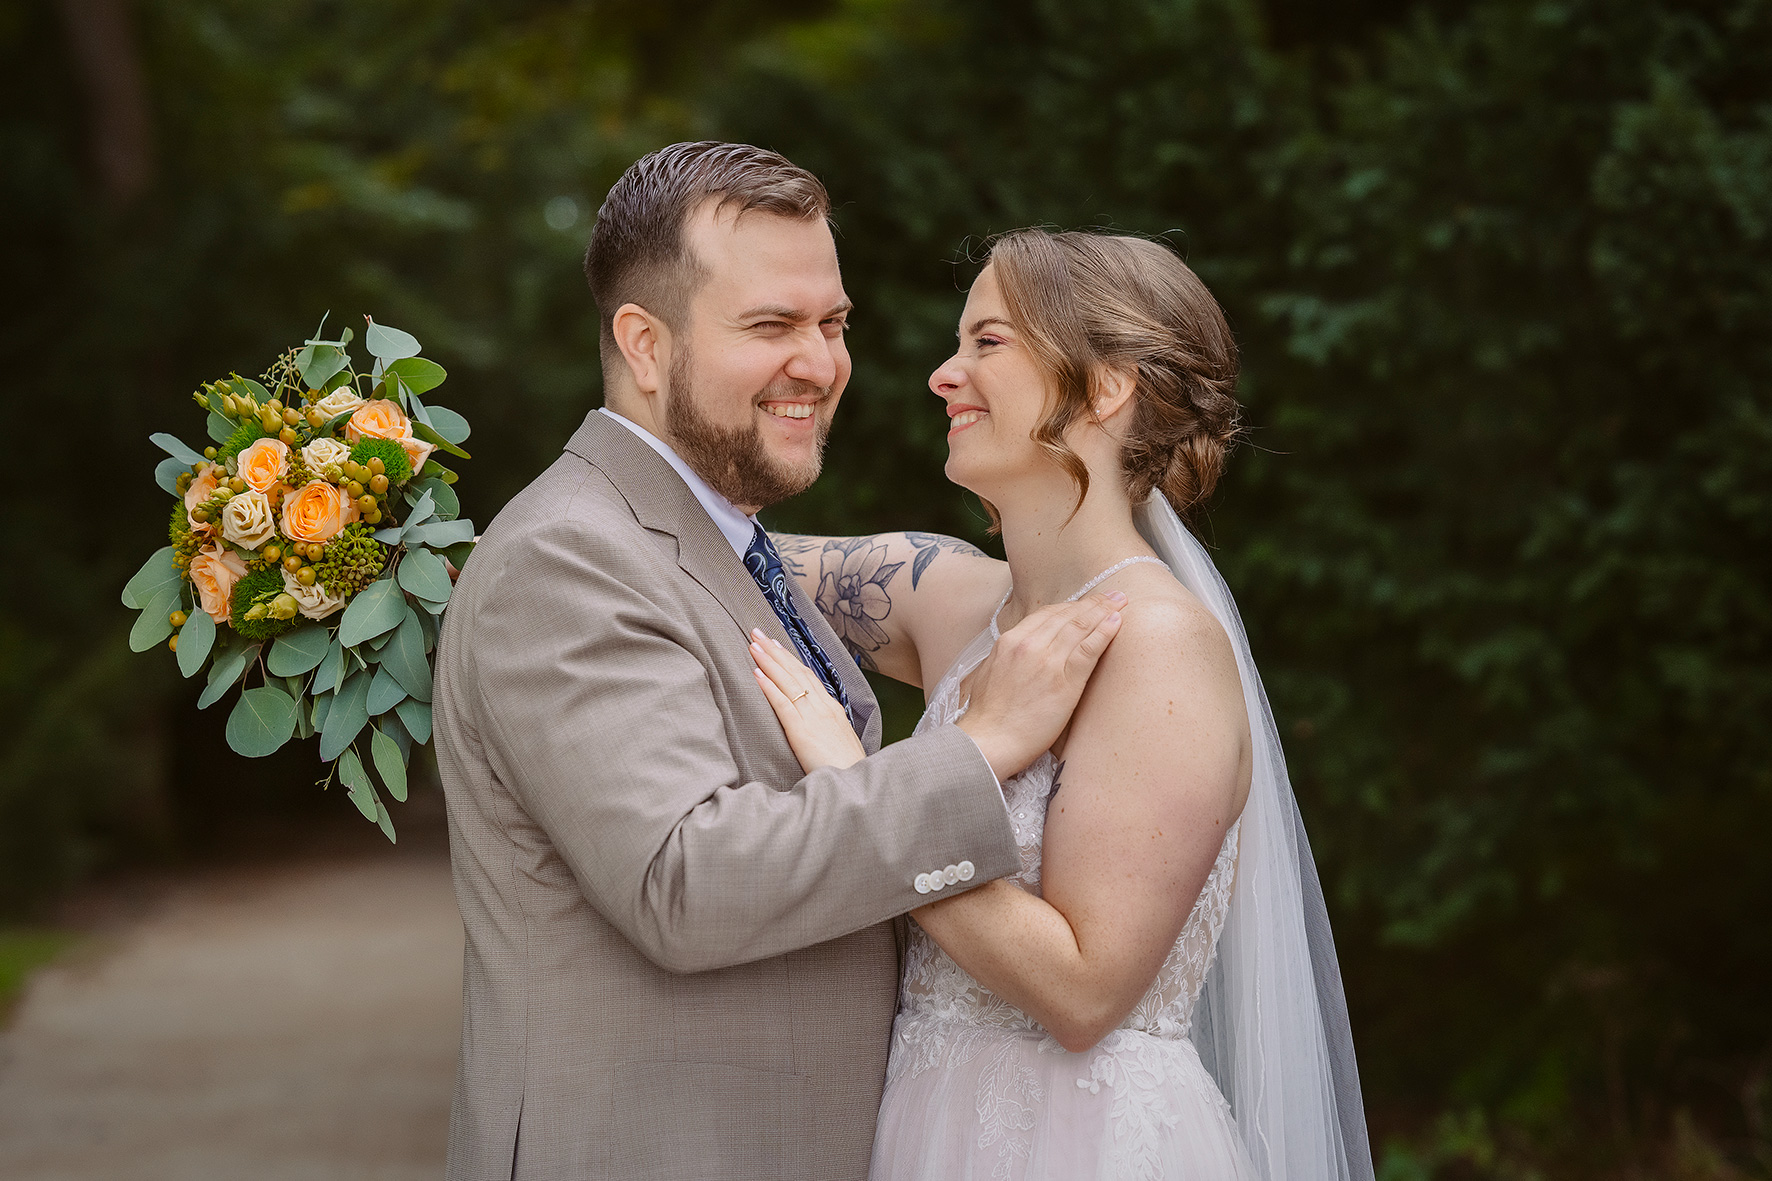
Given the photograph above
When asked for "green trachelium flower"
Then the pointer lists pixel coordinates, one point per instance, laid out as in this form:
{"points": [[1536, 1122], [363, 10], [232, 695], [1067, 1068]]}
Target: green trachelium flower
{"points": [[398, 468], [352, 560], [249, 433], [255, 591]]}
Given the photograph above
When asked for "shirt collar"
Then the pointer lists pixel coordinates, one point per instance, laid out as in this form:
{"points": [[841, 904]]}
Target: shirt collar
{"points": [[738, 529]]}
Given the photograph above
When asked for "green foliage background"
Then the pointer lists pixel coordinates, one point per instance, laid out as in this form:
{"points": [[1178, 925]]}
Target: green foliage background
{"points": [[1502, 274]]}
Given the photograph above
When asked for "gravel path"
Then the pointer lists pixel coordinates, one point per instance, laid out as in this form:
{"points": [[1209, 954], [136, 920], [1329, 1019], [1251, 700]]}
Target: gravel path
{"points": [[282, 1024]]}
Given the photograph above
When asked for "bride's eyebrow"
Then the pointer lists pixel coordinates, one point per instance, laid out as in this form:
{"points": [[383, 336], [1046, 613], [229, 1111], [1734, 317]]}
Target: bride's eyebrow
{"points": [[981, 324]]}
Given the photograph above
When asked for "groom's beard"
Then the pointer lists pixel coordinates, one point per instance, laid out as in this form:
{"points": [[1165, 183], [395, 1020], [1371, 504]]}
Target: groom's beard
{"points": [[734, 461]]}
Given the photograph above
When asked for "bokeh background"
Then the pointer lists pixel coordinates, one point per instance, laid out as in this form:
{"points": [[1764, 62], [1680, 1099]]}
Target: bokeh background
{"points": [[1502, 275]]}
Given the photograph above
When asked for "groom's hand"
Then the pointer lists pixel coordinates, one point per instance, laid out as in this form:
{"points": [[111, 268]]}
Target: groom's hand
{"points": [[1026, 690]]}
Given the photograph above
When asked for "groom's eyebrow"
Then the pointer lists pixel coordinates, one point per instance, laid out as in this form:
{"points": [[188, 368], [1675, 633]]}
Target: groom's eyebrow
{"points": [[777, 311]]}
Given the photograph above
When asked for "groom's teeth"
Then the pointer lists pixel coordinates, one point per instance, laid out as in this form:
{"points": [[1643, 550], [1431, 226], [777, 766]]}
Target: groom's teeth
{"points": [[789, 409], [965, 418]]}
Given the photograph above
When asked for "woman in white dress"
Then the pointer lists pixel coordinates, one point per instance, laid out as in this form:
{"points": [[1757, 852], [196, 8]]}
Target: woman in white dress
{"points": [[1154, 994]]}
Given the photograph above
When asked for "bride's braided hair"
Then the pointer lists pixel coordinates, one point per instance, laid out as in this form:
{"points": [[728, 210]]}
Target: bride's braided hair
{"points": [[1085, 302]]}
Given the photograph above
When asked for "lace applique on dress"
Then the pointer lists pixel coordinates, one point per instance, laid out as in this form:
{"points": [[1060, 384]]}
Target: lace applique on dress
{"points": [[947, 1019]]}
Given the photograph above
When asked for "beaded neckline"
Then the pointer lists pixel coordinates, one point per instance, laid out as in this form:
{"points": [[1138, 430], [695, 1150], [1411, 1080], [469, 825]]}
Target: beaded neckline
{"points": [[1084, 589]]}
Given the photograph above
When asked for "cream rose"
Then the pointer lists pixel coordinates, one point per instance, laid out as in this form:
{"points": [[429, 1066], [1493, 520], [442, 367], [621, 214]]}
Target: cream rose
{"points": [[340, 401], [264, 465], [316, 511], [214, 571], [323, 452], [312, 601], [247, 520]]}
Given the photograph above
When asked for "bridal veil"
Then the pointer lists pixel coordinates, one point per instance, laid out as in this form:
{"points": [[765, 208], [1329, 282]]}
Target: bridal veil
{"points": [[1271, 1025]]}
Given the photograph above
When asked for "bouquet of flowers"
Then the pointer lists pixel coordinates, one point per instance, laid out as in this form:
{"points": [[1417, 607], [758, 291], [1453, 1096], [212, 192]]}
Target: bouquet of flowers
{"points": [[311, 553]]}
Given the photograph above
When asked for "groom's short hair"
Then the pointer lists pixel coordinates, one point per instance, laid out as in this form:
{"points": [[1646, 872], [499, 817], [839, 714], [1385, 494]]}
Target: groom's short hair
{"points": [[639, 252]]}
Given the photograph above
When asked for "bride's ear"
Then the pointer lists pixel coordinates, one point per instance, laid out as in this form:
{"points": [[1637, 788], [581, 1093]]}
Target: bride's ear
{"points": [[639, 337], [1112, 394]]}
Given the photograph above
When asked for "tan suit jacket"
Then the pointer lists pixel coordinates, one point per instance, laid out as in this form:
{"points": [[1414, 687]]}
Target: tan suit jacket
{"points": [[679, 959]]}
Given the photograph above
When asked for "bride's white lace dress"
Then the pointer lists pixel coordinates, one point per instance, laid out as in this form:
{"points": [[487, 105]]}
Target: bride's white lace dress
{"points": [[976, 1089]]}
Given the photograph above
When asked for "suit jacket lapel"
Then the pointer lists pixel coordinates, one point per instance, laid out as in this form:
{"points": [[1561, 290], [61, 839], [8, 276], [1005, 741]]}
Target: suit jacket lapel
{"points": [[660, 500]]}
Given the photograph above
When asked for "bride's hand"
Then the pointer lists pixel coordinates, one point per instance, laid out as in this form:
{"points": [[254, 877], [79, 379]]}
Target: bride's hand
{"points": [[817, 728]]}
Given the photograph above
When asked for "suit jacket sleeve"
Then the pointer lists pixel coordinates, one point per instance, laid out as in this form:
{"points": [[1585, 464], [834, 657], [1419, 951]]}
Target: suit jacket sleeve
{"points": [[606, 727]]}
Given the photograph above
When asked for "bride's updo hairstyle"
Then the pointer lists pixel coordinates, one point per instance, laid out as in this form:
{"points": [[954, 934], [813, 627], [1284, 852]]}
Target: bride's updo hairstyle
{"points": [[1085, 301]]}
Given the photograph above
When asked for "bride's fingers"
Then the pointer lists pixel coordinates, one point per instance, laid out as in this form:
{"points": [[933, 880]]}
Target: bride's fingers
{"points": [[784, 709], [770, 665], [789, 670]]}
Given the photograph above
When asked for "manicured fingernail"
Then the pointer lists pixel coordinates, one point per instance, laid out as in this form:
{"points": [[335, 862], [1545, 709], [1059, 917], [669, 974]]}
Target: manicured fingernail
{"points": [[757, 632], [1116, 597]]}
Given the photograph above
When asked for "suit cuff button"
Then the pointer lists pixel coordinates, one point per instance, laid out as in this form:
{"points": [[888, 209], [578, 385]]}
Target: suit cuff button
{"points": [[966, 869], [922, 883]]}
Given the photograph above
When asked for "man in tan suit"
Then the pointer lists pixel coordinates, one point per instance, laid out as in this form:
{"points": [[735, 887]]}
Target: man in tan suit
{"points": [[680, 956]]}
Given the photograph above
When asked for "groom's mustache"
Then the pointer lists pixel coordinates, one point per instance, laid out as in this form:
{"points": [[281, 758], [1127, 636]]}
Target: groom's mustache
{"points": [[792, 389]]}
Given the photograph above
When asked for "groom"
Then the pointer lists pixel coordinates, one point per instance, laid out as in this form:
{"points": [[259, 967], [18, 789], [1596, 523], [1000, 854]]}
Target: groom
{"points": [[680, 961]]}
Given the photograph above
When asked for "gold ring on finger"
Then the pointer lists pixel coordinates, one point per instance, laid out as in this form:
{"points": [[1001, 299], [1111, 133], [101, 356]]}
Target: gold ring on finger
{"points": [[796, 700]]}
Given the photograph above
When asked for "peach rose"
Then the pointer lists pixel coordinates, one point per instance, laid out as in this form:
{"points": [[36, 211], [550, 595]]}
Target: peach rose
{"points": [[214, 570], [203, 486], [264, 464], [417, 450], [315, 511], [380, 419]]}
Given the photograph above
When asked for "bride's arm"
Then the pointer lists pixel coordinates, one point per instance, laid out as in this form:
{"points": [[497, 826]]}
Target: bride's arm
{"points": [[1155, 771], [894, 598]]}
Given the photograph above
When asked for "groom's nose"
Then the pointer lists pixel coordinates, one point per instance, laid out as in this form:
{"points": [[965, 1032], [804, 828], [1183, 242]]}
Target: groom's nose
{"points": [[814, 361]]}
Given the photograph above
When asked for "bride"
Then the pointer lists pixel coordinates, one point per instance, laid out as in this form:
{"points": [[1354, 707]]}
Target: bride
{"points": [[1155, 994]]}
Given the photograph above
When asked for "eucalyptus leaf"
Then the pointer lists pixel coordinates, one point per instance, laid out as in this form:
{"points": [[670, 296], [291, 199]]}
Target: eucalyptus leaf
{"points": [[424, 575], [318, 363], [434, 608], [429, 626], [384, 693], [420, 412], [458, 554], [155, 623], [448, 505], [404, 659], [389, 344], [166, 474], [416, 717], [262, 721], [332, 669], [434, 468], [389, 536], [384, 821], [417, 374], [346, 719], [376, 609], [421, 511], [299, 651], [175, 447], [429, 434], [440, 534], [230, 662], [195, 641], [388, 763], [220, 429], [322, 706], [449, 424], [156, 574], [357, 782], [375, 645], [391, 725]]}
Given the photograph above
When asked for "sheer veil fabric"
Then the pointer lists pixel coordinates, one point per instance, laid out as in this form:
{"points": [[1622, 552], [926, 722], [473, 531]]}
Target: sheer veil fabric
{"points": [[1271, 1025]]}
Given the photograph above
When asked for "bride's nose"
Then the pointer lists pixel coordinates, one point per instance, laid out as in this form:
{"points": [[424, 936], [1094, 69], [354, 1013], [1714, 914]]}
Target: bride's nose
{"points": [[948, 379]]}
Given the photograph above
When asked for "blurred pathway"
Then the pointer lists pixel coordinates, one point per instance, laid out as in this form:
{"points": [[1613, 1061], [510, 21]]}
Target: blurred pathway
{"points": [[283, 1024]]}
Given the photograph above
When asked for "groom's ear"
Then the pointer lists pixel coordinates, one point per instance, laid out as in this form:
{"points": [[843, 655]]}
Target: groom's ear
{"points": [[642, 339]]}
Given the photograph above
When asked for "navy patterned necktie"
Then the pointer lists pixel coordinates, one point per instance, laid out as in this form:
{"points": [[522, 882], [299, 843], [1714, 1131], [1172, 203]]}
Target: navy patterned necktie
{"points": [[765, 566]]}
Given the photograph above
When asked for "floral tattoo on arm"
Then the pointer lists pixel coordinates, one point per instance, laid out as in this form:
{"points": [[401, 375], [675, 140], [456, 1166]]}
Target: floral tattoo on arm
{"points": [[853, 580]]}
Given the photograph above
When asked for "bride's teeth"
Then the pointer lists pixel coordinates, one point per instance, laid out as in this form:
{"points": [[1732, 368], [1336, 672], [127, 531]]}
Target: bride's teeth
{"points": [[965, 418], [789, 409]]}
